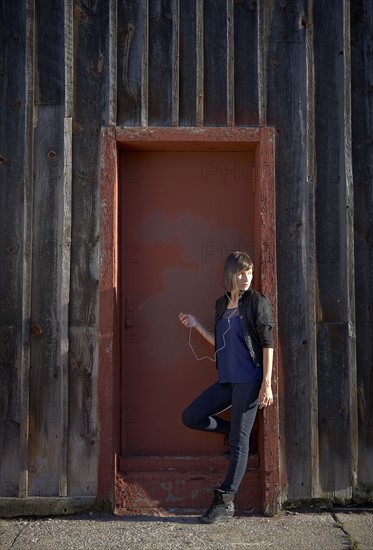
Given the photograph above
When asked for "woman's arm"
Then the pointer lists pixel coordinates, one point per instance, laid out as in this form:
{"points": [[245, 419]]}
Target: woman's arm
{"points": [[265, 394], [190, 321]]}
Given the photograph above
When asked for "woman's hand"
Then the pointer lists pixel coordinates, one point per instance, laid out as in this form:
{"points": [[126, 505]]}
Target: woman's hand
{"points": [[188, 320], [265, 395]]}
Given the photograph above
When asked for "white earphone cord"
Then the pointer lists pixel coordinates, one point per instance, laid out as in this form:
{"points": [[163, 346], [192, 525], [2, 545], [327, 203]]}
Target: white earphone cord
{"points": [[220, 349]]}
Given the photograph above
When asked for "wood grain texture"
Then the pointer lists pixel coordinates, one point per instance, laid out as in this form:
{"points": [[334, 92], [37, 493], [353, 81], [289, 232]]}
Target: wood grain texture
{"points": [[91, 75], [188, 64], [200, 61], [13, 249], [311, 171], [362, 157], [245, 63], [113, 62], [161, 29], [215, 62], [47, 458], [175, 55], [63, 297], [27, 243], [68, 57], [145, 66], [131, 44], [286, 110], [334, 412], [49, 315], [334, 244], [83, 412], [49, 32], [231, 92]]}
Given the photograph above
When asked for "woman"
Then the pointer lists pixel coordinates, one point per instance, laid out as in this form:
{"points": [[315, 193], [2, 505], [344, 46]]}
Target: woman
{"points": [[243, 343]]}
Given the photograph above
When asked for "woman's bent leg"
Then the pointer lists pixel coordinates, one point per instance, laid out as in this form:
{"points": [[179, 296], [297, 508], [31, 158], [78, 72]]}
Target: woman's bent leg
{"points": [[201, 413]]}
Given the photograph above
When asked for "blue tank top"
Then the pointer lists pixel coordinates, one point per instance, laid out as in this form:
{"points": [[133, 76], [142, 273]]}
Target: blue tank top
{"points": [[234, 361]]}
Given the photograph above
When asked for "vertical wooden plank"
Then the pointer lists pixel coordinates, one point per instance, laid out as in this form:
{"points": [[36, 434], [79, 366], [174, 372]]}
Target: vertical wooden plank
{"points": [[200, 60], [362, 123], [187, 63], [160, 62], [230, 64], [91, 69], [49, 73], [65, 237], [349, 246], [264, 25], [334, 412], [215, 62], [145, 66], [27, 242], [113, 62], [245, 63], [63, 297], [175, 62], [50, 269], [83, 412], [311, 171], [286, 102], [68, 53], [132, 62], [334, 212], [9, 408], [46, 407], [15, 233]]}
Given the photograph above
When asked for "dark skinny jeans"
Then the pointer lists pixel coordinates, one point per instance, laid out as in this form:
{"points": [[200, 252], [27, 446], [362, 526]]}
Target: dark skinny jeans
{"points": [[202, 415]]}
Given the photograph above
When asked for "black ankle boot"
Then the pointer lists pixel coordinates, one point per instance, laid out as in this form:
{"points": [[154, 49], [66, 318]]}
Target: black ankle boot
{"points": [[221, 509]]}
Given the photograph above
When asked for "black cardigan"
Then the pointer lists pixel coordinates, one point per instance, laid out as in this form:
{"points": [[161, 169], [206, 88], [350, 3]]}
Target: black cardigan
{"points": [[257, 322]]}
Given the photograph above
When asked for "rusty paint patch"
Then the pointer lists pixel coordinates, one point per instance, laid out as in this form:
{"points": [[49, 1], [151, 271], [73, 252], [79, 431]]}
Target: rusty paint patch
{"points": [[157, 493]]}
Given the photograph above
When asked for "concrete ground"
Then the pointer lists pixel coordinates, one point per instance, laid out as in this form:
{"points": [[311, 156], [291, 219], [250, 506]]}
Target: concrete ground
{"points": [[287, 531]]}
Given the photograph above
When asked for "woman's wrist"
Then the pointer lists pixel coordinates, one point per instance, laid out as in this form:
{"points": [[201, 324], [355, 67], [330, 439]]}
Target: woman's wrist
{"points": [[199, 327]]}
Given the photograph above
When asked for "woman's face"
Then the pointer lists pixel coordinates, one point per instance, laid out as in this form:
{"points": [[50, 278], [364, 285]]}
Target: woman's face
{"points": [[243, 280]]}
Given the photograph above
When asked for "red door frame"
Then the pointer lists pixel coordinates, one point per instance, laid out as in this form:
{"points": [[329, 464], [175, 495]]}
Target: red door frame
{"points": [[262, 140]]}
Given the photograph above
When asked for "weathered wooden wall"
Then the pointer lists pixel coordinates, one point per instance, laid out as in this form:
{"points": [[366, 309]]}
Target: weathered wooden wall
{"points": [[53, 61], [70, 67]]}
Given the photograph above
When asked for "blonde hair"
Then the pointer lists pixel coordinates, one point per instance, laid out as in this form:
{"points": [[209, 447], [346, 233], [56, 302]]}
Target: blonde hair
{"points": [[235, 262]]}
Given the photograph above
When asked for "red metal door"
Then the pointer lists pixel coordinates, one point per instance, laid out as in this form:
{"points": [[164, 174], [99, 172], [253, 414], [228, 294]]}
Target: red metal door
{"points": [[182, 212], [184, 198]]}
